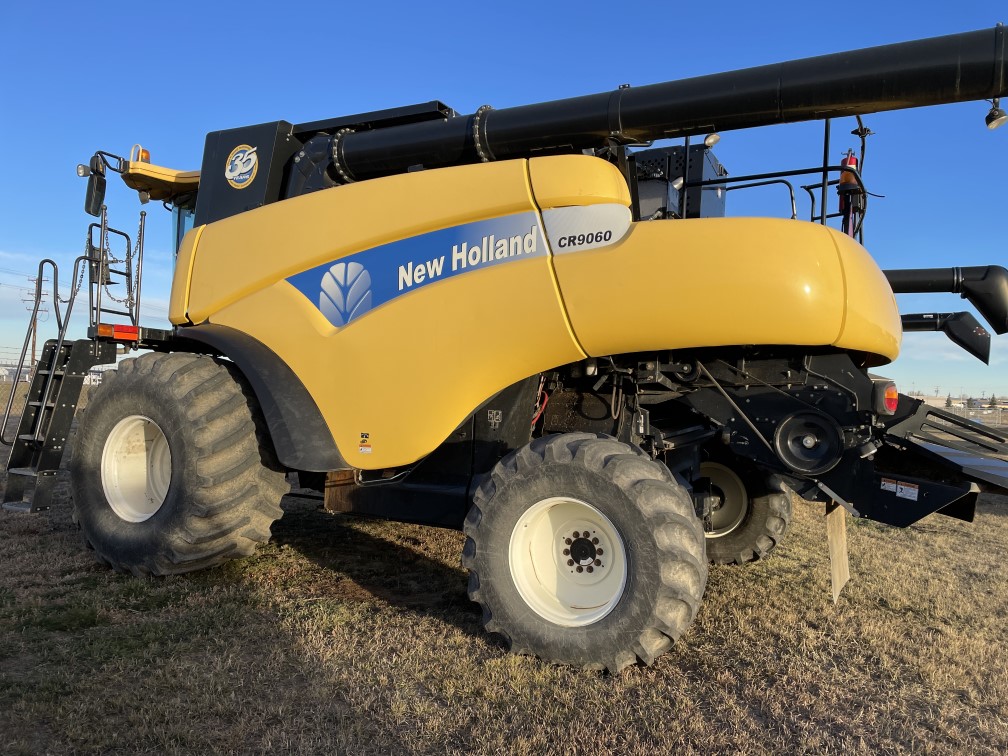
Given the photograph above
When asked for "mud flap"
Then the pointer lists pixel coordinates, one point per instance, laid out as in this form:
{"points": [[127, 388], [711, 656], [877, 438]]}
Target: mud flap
{"points": [[836, 539]]}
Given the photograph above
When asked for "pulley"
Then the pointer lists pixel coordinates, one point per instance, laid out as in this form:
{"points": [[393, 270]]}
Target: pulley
{"points": [[809, 443]]}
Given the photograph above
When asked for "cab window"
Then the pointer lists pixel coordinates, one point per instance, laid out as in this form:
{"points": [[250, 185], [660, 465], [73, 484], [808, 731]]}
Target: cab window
{"points": [[182, 223]]}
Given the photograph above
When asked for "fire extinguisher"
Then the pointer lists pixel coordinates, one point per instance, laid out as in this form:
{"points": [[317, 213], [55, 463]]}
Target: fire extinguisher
{"points": [[851, 198]]}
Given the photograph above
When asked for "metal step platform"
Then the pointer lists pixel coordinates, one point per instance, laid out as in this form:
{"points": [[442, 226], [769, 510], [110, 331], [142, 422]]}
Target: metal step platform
{"points": [[38, 445]]}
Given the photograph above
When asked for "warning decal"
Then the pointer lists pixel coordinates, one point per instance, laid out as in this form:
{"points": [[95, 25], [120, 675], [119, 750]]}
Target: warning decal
{"points": [[901, 489]]}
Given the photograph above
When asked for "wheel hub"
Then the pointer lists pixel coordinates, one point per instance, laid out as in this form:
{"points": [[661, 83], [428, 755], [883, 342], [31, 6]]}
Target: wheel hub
{"points": [[136, 468], [731, 499], [568, 561], [583, 551]]}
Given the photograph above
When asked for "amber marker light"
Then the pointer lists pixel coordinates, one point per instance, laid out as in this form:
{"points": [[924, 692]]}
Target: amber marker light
{"points": [[118, 332]]}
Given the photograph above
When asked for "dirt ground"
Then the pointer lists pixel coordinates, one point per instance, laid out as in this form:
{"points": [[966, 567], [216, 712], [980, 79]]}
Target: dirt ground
{"points": [[356, 636]]}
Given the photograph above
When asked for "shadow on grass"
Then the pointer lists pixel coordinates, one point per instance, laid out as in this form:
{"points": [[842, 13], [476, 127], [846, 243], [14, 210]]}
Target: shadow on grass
{"points": [[990, 503], [391, 568]]}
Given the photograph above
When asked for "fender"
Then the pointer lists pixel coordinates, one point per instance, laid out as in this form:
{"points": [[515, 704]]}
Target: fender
{"points": [[300, 435]]}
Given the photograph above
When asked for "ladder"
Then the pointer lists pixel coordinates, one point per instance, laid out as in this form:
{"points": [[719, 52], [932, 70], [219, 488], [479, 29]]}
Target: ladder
{"points": [[54, 392], [37, 448]]}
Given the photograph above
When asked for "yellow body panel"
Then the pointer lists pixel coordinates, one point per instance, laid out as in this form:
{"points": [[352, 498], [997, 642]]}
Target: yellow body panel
{"points": [[408, 374], [160, 182], [567, 180], [394, 381], [871, 318], [252, 250], [178, 299], [728, 281]]}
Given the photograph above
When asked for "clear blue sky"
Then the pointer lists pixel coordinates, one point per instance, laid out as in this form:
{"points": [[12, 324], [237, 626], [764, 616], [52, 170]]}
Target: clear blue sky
{"points": [[77, 77]]}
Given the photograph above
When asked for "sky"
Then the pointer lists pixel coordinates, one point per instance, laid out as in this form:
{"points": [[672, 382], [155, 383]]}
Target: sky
{"points": [[78, 77]]}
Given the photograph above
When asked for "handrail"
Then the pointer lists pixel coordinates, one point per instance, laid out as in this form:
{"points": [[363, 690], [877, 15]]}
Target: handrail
{"points": [[788, 184], [95, 259], [62, 322], [763, 177]]}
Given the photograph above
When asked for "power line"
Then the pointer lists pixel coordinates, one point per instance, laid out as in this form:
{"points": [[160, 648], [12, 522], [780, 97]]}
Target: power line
{"points": [[14, 286]]}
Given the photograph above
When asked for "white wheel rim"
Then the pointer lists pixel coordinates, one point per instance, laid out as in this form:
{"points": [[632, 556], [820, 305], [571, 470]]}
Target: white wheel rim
{"points": [[733, 495], [570, 595], [136, 468]]}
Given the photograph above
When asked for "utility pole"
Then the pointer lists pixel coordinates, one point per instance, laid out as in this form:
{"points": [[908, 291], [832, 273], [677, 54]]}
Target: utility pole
{"points": [[29, 302]]}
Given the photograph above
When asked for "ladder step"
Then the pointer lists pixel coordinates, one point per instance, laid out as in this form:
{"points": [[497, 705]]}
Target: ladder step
{"points": [[27, 437], [26, 471], [50, 405], [56, 373]]}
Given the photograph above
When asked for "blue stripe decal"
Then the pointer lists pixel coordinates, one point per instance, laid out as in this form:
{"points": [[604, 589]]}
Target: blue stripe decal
{"points": [[345, 289]]}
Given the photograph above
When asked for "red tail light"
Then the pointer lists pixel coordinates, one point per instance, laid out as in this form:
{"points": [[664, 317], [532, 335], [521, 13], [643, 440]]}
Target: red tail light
{"points": [[891, 398], [118, 332]]}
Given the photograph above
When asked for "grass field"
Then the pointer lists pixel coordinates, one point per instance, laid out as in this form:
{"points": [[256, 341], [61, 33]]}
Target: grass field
{"points": [[350, 635]]}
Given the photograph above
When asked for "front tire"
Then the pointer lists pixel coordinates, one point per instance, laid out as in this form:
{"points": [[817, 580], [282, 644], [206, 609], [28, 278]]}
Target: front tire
{"points": [[170, 473], [581, 551]]}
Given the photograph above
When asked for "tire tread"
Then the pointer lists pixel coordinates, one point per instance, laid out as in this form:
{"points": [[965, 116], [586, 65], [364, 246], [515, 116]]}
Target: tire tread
{"points": [[666, 507], [238, 483]]}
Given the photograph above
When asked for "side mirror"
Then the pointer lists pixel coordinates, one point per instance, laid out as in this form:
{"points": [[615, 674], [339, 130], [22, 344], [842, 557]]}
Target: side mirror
{"points": [[95, 197]]}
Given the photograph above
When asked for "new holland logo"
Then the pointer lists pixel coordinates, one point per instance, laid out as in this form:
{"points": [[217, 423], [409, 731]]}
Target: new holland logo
{"points": [[346, 293], [242, 165], [347, 289]]}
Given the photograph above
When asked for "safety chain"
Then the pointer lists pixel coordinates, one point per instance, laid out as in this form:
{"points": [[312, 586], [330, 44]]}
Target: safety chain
{"points": [[80, 277], [132, 274]]}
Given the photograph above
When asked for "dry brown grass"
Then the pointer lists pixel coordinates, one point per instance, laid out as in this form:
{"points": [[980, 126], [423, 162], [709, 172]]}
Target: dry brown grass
{"points": [[351, 635]]}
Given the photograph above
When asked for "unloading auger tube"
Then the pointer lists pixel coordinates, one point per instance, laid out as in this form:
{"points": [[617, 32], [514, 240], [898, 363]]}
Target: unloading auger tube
{"points": [[936, 71]]}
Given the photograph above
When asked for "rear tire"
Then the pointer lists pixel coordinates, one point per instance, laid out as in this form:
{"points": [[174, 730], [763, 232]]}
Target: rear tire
{"points": [[170, 473], [584, 501], [750, 521]]}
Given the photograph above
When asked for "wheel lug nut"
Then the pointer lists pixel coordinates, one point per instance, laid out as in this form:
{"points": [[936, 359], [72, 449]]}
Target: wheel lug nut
{"points": [[576, 534], [591, 569], [595, 540], [598, 562], [566, 552], [599, 551], [570, 562], [580, 568], [568, 541]]}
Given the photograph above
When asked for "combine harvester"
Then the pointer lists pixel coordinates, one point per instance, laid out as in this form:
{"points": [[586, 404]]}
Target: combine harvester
{"points": [[529, 323]]}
